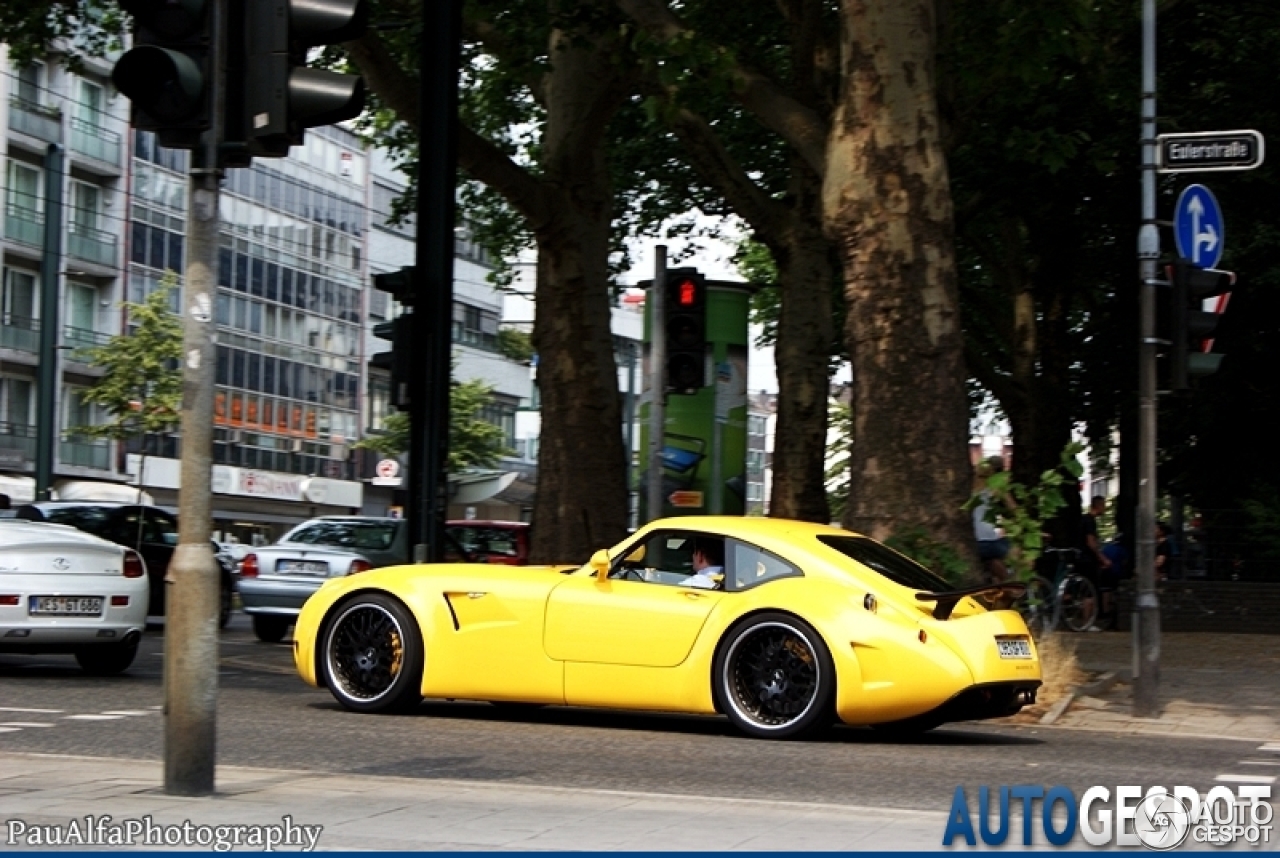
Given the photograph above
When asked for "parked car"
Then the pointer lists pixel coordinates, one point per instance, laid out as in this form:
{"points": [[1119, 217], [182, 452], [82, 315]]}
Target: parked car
{"points": [[276, 580], [148, 530], [65, 591], [781, 626], [502, 542]]}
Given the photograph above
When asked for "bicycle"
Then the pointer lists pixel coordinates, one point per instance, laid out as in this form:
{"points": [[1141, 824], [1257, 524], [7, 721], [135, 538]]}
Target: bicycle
{"points": [[1070, 598]]}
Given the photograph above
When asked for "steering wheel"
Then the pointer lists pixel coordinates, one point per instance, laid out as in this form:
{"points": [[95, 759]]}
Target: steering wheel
{"points": [[629, 573]]}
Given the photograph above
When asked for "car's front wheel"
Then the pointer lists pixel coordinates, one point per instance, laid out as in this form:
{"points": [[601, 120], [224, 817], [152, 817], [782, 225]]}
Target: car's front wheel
{"points": [[774, 677], [371, 655], [270, 628], [107, 660]]}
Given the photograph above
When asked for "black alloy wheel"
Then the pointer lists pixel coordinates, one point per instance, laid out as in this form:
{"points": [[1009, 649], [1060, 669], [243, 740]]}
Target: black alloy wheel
{"points": [[774, 677], [271, 628], [371, 655]]}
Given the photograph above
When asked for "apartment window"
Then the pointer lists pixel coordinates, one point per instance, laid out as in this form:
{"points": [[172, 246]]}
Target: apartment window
{"points": [[19, 298], [86, 204], [89, 103], [82, 307], [24, 188], [31, 83], [17, 401]]}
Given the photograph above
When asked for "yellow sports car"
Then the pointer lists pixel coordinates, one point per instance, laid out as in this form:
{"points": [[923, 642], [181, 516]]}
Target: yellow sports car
{"points": [[781, 626]]}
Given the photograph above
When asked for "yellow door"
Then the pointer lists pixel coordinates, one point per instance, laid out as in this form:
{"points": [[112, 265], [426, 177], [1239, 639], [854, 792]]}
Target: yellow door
{"points": [[625, 622]]}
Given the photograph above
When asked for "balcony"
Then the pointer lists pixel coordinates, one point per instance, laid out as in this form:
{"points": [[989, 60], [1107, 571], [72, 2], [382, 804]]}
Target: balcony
{"points": [[24, 225], [17, 443], [21, 333], [35, 120], [82, 338], [92, 245], [95, 142], [85, 453]]}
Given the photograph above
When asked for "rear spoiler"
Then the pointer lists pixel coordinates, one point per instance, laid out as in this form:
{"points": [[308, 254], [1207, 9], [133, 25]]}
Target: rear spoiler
{"points": [[948, 600]]}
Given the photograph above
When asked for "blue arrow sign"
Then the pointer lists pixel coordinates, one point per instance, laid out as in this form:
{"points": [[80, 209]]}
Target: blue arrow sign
{"points": [[1198, 229]]}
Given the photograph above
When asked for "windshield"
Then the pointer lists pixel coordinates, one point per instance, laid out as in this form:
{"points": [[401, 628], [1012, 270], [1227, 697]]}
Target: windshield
{"points": [[887, 562], [356, 535]]}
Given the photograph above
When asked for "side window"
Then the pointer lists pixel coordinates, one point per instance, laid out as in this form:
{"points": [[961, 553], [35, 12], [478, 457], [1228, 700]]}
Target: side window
{"points": [[665, 557], [748, 566], [161, 530]]}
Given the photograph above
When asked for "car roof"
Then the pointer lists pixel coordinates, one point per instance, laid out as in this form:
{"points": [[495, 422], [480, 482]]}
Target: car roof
{"points": [[488, 522]]}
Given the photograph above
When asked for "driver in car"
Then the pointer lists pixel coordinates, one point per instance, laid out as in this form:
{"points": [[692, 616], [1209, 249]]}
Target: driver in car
{"points": [[708, 564]]}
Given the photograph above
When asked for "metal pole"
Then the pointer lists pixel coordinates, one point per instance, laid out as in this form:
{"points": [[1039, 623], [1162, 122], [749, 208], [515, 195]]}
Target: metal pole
{"points": [[657, 382], [1146, 660], [191, 603], [629, 424], [50, 299], [432, 318]]}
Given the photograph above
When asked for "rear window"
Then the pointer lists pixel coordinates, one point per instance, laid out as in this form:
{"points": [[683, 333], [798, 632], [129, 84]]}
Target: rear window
{"points": [[90, 519], [355, 535], [887, 562]]}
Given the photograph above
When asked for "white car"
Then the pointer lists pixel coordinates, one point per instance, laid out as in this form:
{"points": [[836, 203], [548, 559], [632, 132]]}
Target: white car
{"points": [[65, 591]]}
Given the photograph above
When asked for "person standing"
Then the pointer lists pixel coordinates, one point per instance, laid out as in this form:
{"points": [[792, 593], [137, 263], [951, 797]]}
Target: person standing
{"points": [[993, 546]]}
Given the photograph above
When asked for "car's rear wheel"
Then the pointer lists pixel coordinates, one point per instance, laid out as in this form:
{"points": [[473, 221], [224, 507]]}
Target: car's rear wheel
{"points": [[371, 655], [270, 628], [774, 677], [107, 660]]}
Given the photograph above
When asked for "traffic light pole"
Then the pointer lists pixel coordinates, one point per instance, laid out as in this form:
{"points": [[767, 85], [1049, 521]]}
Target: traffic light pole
{"points": [[657, 382], [192, 585], [1146, 628], [432, 317]]}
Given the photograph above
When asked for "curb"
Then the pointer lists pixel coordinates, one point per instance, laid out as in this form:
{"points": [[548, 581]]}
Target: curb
{"points": [[1101, 685]]}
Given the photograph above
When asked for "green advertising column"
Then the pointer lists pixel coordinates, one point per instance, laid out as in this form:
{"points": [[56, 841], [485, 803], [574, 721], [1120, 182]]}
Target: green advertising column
{"points": [[705, 444]]}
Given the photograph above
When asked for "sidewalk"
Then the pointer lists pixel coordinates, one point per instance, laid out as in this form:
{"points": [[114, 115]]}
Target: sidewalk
{"points": [[406, 814], [1211, 686]]}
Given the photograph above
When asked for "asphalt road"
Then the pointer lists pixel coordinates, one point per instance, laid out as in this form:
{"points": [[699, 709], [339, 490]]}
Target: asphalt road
{"points": [[268, 717]]}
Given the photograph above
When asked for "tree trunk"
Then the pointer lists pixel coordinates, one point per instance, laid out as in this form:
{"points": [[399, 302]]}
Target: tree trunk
{"points": [[581, 504], [802, 356], [887, 205]]}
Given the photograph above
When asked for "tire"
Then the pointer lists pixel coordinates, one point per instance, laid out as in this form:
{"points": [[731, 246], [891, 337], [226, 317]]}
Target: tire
{"points": [[371, 655], [1039, 607], [107, 660], [774, 678], [224, 604], [1078, 599], [271, 628]]}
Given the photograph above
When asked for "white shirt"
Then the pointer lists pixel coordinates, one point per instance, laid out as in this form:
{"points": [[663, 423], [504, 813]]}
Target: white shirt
{"points": [[703, 579]]}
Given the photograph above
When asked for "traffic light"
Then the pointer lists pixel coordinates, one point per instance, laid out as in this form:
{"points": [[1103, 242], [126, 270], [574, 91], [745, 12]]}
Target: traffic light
{"points": [[402, 286], [685, 309], [1192, 326], [277, 96], [167, 74]]}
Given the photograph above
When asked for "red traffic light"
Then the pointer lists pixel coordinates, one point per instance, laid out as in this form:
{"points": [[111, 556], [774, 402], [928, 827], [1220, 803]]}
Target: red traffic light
{"points": [[687, 293]]}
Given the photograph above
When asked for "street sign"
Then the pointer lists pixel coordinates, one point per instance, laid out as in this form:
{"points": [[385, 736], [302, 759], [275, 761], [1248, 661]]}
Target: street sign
{"points": [[388, 473], [686, 499], [1209, 151], [1198, 229]]}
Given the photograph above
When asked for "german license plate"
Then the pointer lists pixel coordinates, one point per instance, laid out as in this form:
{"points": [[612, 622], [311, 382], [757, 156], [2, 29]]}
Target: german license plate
{"points": [[66, 606], [303, 567], [1017, 646]]}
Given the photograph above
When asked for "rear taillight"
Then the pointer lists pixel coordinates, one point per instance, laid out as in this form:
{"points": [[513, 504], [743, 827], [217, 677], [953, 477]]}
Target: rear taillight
{"points": [[133, 566], [8, 600], [119, 601], [249, 566], [359, 566]]}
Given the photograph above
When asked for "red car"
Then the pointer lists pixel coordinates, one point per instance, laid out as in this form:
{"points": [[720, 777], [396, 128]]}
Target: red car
{"points": [[500, 542]]}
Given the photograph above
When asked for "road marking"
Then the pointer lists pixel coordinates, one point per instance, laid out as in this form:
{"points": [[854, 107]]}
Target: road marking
{"points": [[26, 724], [127, 712], [1247, 779], [1270, 746], [9, 729], [1260, 763], [93, 717], [34, 711]]}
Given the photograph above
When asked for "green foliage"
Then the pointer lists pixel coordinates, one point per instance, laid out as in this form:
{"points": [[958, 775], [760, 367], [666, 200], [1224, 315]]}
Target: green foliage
{"points": [[515, 344], [81, 28], [473, 442], [939, 557], [141, 390], [1022, 511]]}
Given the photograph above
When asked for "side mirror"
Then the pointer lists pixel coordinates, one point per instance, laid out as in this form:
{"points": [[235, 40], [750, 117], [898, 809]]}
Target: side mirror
{"points": [[600, 564]]}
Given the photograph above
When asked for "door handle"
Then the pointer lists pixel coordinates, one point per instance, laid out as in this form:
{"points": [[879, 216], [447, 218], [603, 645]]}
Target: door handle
{"points": [[476, 594], [693, 594]]}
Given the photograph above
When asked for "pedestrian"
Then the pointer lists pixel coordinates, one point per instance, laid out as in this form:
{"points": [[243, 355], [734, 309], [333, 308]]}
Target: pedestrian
{"points": [[1164, 551], [1091, 560], [993, 545]]}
